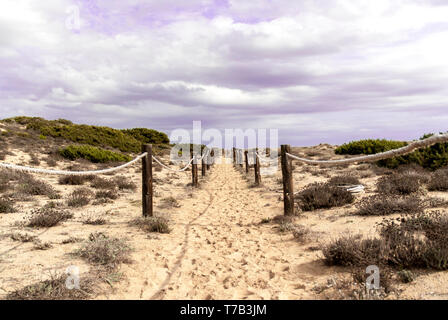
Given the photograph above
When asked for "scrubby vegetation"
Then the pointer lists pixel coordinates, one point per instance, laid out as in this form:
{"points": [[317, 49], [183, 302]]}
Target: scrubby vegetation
{"points": [[439, 180], [322, 196], [344, 180], [413, 241], [382, 205], [128, 140], [152, 224], [79, 198], [399, 184], [369, 146], [54, 289], [75, 180], [6, 206], [101, 249], [93, 154], [432, 157], [47, 217]]}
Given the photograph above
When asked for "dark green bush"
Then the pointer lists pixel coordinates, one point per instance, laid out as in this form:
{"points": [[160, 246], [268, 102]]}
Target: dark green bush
{"points": [[148, 135], [432, 157], [369, 146], [93, 154], [123, 140]]}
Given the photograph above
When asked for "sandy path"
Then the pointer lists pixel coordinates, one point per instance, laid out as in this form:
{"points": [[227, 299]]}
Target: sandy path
{"points": [[218, 250]]}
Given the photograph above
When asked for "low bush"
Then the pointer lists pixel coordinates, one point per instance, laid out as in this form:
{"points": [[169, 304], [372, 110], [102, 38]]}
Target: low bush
{"points": [[46, 217], [439, 180], [412, 241], [353, 251], [124, 183], [93, 154], [433, 157], [344, 180], [381, 205], [101, 183], [75, 180], [6, 206], [152, 224], [28, 185], [169, 202], [398, 184], [100, 249], [106, 194], [369, 146], [54, 289], [79, 198], [322, 196]]}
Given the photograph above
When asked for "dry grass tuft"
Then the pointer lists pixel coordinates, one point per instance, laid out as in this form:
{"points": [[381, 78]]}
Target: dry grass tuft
{"points": [[46, 217], [100, 249], [152, 224], [54, 289], [323, 195], [381, 205], [79, 198]]}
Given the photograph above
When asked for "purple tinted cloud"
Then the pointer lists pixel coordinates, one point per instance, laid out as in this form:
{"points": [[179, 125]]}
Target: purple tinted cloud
{"points": [[318, 72]]}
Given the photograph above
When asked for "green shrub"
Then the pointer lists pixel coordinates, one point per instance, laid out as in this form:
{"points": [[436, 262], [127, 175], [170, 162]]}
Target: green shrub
{"points": [[433, 157], [369, 146], [128, 140], [93, 154], [147, 135]]}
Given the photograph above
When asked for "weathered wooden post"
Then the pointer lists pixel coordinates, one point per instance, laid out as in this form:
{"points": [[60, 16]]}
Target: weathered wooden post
{"points": [[194, 172], [257, 168], [234, 156], [288, 185], [208, 161], [147, 188], [240, 160], [212, 154], [246, 160], [203, 166]]}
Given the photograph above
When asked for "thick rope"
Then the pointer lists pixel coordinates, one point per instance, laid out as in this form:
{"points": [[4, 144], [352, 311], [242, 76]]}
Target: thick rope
{"points": [[185, 168], [438, 138], [171, 169], [70, 173], [266, 159]]}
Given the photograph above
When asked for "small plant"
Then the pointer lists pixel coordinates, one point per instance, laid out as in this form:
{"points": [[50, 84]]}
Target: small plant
{"points": [[94, 220], [439, 180], [39, 245], [75, 180], [152, 224], [45, 218], [23, 237], [381, 205], [344, 180], [169, 202], [54, 289], [106, 194], [321, 195], [79, 198], [33, 187], [102, 250], [6, 206], [398, 184], [406, 276], [101, 183], [301, 233], [124, 184]]}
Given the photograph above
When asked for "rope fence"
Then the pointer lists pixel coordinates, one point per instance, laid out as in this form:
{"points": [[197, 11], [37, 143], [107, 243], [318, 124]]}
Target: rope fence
{"points": [[286, 158], [147, 175]]}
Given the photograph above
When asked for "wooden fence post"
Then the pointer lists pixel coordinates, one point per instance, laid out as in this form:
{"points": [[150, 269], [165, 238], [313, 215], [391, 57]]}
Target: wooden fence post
{"points": [[257, 168], [246, 160], [203, 166], [194, 172], [234, 156], [240, 160], [147, 188], [208, 161], [288, 185]]}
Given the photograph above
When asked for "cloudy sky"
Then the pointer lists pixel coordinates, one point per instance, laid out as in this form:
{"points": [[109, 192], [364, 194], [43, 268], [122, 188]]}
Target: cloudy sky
{"points": [[317, 70]]}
